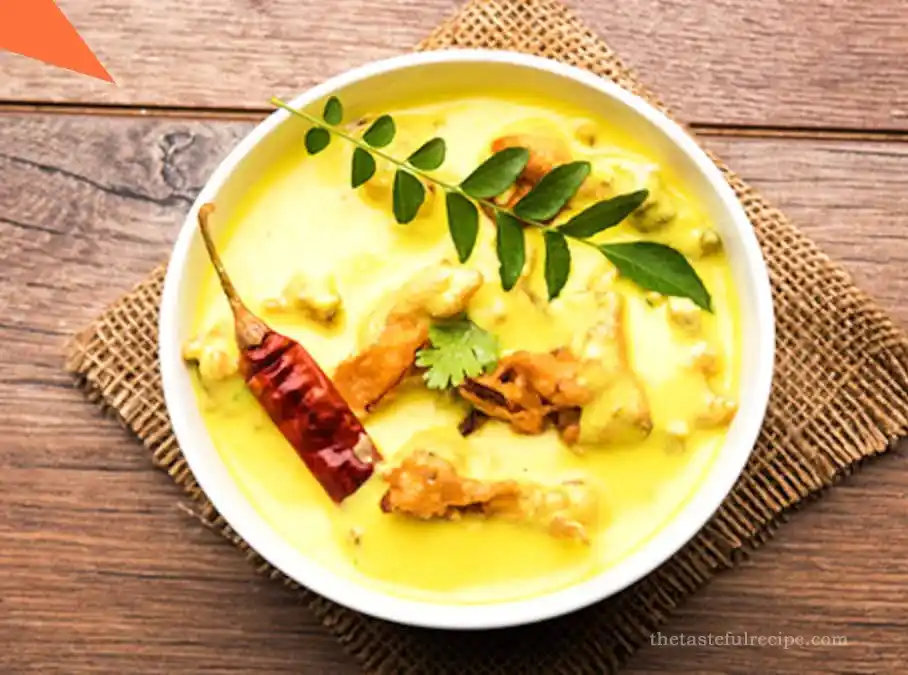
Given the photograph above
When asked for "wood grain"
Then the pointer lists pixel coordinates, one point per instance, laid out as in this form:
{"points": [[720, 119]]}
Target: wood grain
{"points": [[813, 63], [101, 572]]}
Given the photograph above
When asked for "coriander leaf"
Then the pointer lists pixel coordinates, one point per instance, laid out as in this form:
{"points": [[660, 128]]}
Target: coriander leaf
{"points": [[463, 223], [511, 249], [409, 194], [440, 368], [657, 267], [496, 174], [363, 167], [557, 262], [458, 349], [550, 195], [317, 139], [603, 215], [381, 132], [429, 156], [334, 111]]}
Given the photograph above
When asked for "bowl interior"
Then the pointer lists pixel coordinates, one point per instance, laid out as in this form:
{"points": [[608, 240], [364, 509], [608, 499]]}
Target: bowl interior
{"points": [[373, 88]]}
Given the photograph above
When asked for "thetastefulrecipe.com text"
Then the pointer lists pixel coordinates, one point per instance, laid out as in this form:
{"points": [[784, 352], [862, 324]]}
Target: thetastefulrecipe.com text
{"points": [[782, 640]]}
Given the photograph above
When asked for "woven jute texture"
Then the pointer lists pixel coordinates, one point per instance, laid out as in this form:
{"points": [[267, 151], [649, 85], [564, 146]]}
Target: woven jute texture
{"points": [[840, 394]]}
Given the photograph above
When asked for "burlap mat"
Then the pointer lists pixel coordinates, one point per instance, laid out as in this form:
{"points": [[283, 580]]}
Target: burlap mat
{"points": [[840, 395]]}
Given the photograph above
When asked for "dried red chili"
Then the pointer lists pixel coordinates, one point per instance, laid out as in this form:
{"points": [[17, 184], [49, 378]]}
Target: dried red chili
{"points": [[300, 399]]}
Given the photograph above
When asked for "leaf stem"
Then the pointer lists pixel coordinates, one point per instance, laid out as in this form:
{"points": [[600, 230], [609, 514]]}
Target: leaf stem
{"points": [[338, 131]]}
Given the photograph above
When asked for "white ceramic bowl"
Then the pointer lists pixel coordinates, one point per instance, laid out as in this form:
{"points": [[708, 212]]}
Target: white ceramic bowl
{"points": [[374, 87]]}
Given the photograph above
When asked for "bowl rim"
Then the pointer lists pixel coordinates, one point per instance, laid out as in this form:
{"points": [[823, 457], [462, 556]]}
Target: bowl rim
{"points": [[227, 498]]}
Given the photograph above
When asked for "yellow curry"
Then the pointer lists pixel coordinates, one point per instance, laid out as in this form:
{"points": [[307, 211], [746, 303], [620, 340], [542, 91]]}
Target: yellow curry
{"points": [[602, 414]]}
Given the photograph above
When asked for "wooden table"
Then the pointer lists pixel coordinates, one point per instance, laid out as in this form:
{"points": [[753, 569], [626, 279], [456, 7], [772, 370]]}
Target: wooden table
{"points": [[99, 569]]}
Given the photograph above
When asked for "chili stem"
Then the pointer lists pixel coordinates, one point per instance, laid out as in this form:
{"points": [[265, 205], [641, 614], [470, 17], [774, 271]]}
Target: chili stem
{"points": [[250, 330], [204, 213]]}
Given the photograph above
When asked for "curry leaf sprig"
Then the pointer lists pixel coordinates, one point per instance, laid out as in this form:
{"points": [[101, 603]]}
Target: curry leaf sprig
{"points": [[652, 266]]}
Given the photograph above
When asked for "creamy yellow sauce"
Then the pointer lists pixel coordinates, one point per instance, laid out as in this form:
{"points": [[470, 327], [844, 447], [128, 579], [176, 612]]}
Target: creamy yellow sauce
{"points": [[301, 215]]}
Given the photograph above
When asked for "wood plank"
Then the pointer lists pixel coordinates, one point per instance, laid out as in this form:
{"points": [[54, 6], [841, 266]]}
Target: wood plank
{"points": [[813, 63], [171, 52], [100, 572]]}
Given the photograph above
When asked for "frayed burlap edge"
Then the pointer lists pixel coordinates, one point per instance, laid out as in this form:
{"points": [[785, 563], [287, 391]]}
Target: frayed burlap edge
{"points": [[839, 396]]}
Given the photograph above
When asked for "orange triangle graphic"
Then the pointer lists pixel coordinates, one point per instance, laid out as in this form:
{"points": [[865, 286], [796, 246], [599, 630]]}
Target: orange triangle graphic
{"points": [[38, 29]]}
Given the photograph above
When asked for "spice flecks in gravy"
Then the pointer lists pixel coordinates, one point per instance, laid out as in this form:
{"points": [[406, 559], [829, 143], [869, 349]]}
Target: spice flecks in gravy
{"points": [[323, 264]]}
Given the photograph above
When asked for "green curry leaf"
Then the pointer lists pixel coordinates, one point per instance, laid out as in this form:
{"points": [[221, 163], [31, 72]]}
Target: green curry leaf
{"points": [[660, 268], [429, 156], [557, 262], [334, 111], [409, 194], [317, 139], [463, 223], [603, 215], [363, 167], [381, 132], [544, 201], [510, 245], [496, 174]]}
